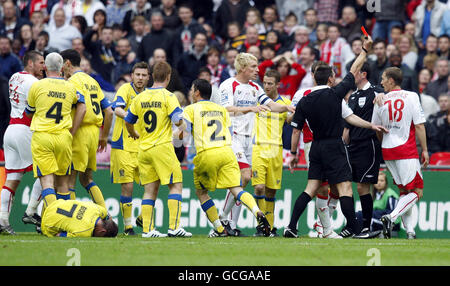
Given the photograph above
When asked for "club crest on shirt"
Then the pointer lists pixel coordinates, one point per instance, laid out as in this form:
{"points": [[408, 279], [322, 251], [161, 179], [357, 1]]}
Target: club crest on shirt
{"points": [[121, 172], [361, 101], [239, 155]]}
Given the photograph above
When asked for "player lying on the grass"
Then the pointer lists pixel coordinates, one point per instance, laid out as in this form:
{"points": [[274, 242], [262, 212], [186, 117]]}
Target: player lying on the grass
{"points": [[267, 151], [157, 108], [17, 143], [124, 149], [50, 102], [322, 109], [71, 218], [215, 163], [88, 138], [403, 115]]}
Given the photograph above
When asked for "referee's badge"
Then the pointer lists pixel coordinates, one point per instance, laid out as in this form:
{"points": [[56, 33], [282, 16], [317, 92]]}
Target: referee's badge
{"points": [[361, 101]]}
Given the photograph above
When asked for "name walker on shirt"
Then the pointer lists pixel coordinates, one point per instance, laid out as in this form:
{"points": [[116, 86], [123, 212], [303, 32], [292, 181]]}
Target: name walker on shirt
{"points": [[151, 104]]}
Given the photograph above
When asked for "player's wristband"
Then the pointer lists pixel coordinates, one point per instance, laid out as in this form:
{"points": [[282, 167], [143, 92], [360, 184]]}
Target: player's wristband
{"points": [[365, 50], [293, 153]]}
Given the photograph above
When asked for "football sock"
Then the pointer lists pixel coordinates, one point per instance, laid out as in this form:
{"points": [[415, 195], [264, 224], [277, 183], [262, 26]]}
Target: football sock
{"points": [[269, 209], [323, 213], [230, 201], [7, 198], [213, 216], [367, 209], [235, 212], [49, 196], [96, 194], [147, 215], [407, 220], [348, 210], [62, 196], [174, 204], [299, 206], [126, 206], [404, 204], [248, 201], [73, 194], [35, 198], [260, 201], [332, 203]]}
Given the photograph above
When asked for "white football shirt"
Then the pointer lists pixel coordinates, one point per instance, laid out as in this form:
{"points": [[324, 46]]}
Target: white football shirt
{"points": [[19, 85]]}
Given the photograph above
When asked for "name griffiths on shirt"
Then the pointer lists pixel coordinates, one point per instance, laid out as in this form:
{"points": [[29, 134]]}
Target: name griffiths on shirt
{"points": [[151, 104], [225, 276], [57, 94], [211, 113]]}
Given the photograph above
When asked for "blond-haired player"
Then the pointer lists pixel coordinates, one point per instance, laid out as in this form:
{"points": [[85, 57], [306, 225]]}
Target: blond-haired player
{"points": [[243, 98]]}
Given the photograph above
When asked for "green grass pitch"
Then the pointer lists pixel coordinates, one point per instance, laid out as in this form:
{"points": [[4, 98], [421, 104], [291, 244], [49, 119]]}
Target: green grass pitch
{"points": [[26, 249]]}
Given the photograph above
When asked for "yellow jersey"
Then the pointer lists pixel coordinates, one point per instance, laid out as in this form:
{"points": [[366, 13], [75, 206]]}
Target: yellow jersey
{"points": [[93, 94], [120, 137], [269, 125], [209, 124], [71, 218], [50, 100], [156, 109]]}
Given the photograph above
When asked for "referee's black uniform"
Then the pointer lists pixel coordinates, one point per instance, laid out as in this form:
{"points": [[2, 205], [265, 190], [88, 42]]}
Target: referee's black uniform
{"points": [[328, 157]]}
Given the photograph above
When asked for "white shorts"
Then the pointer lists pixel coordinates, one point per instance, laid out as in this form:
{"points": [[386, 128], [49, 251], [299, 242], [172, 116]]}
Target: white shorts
{"points": [[307, 148], [17, 147], [242, 148], [406, 173]]}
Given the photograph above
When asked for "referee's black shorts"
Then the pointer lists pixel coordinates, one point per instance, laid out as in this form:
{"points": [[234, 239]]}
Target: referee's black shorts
{"points": [[365, 158], [328, 160]]}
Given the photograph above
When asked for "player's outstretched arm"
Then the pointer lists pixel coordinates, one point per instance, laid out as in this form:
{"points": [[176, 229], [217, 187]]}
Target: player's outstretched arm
{"points": [[276, 107], [358, 63], [236, 110], [359, 122], [421, 135], [78, 118], [107, 122], [120, 112]]}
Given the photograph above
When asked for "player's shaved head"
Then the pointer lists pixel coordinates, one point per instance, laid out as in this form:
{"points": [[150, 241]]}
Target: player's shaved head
{"points": [[54, 62], [72, 56], [31, 56]]}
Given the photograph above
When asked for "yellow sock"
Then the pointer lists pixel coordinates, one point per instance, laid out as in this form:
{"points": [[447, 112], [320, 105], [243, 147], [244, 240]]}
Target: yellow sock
{"points": [[174, 204], [213, 216], [48, 196], [261, 202], [73, 195], [96, 194], [147, 215], [269, 210], [126, 207], [249, 202]]}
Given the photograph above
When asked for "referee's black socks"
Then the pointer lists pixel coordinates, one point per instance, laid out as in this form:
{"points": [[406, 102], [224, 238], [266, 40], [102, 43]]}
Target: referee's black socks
{"points": [[300, 205], [367, 209], [348, 209]]}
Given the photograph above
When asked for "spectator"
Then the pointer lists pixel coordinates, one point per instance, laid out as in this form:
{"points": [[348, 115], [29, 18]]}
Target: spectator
{"points": [[116, 11], [327, 10], [301, 40], [80, 23], [191, 61], [445, 24], [252, 38], [126, 60], [267, 52], [391, 14], [157, 38], [214, 66], [61, 34], [138, 33], [72, 8], [311, 23], [11, 24], [26, 40], [307, 58], [175, 83], [381, 62], [213, 40], [350, 24], [444, 102], [395, 33], [254, 50], [438, 132], [103, 52], [229, 11], [298, 8], [356, 45], [77, 45], [38, 23], [290, 23], [99, 21], [170, 15], [105, 85], [439, 86], [429, 104], [285, 64], [90, 8], [410, 30], [9, 63], [428, 18], [444, 47], [229, 70], [429, 62], [234, 38], [335, 51], [408, 51], [253, 19], [431, 48], [118, 33], [409, 76], [185, 34], [138, 8], [270, 16], [273, 39], [321, 35]]}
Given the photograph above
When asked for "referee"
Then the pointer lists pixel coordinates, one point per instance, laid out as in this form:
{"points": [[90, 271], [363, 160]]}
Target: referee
{"points": [[322, 110], [364, 148]]}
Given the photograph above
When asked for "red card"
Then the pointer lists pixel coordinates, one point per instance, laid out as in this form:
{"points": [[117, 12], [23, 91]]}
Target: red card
{"points": [[364, 31]]}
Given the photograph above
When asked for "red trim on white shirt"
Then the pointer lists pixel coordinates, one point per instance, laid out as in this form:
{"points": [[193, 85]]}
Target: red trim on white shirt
{"points": [[405, 151], [24, 120], [234, 85]]}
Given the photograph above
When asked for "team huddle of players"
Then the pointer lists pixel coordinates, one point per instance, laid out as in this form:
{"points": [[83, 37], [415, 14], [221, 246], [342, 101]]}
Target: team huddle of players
{"points": [[58, 124]]}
